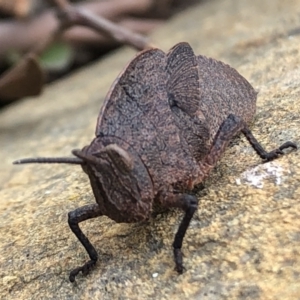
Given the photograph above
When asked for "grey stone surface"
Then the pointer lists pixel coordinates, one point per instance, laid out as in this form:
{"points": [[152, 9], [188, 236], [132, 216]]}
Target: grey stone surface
{"points": [[244, 242]]}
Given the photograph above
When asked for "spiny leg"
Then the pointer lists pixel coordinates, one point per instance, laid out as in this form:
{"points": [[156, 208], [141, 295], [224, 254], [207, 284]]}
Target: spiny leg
{"points": [[229, 128], [74, 217]]}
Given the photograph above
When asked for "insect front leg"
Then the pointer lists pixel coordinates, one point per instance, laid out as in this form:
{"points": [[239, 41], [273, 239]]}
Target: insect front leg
{"points": [[74, 218]]}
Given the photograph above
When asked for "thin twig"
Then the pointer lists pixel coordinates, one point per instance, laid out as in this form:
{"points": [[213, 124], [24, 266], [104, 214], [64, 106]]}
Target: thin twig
{"points": [[21, 35], [70, 16]]}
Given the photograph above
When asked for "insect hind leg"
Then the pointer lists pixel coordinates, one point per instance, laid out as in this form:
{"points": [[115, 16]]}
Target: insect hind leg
{"points": [[229, 128]]}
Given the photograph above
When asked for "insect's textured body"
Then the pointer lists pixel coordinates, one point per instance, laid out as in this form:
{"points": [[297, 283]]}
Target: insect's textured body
{"points": [[171, 116], [164, 125], [137, 110]]}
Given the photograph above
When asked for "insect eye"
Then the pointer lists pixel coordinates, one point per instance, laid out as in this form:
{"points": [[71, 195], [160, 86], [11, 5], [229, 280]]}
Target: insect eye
{"points": [[120, 157]]}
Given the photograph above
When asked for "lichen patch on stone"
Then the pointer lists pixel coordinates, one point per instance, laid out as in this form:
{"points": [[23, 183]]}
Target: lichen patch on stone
{"points": [[256, 176]]}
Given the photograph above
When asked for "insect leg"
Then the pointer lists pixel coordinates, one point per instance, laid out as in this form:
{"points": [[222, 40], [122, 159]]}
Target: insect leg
{"points": [[260, 150], [74, 218], [229, 128], [189, 204]]}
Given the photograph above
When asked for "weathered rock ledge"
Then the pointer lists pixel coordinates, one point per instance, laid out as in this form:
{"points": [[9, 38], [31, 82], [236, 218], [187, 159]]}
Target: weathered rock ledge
{"points": [[244, 243]]}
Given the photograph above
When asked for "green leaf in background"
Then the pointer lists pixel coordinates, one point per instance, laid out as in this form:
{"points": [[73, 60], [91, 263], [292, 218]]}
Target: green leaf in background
{"points": [[57, 57]]}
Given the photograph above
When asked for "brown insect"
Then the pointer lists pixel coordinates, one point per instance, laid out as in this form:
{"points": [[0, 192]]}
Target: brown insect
{"points": [[164, 125]]}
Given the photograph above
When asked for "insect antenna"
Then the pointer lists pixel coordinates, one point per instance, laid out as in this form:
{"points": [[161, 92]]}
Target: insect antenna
{"points": [[50, 160]]}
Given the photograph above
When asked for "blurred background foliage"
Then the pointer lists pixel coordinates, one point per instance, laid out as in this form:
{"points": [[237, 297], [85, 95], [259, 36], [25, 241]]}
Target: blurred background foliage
{"points": [[36, 48]]}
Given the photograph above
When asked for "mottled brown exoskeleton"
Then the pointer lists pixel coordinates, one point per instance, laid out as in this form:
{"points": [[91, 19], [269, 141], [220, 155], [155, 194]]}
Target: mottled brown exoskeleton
{"points": [[164, 125]]}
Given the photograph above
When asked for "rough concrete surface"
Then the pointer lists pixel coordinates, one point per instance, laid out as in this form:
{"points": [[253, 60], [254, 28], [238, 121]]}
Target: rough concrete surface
{"points": [[244, 242]]}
